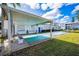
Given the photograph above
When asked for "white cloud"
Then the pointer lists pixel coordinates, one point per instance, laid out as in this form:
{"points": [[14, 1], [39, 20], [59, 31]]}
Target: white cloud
{"points": [[57, 5], [50, 5], [76, 8], [64, 19], [55, 13], [58, 15], [67, 4], [33, 5], [51, 14], [44, 6], [37, 6], [57, 21], [54, 5]]}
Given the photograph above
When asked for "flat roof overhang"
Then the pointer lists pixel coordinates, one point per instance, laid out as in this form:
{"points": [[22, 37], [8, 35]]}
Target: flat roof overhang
{"points": [[21, 17]]}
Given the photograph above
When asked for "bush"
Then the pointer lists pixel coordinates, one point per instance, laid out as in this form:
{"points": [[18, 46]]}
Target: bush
{"points": [[2, 39], [76, 29]]}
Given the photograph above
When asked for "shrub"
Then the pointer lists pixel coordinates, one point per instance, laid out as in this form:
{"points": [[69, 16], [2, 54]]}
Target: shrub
{"points": [[76, 29], [2, 39]]}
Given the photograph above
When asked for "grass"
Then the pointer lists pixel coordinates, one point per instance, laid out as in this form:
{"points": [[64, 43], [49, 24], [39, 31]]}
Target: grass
{"points": [[70, 37], [63, 45], [73, 31]]}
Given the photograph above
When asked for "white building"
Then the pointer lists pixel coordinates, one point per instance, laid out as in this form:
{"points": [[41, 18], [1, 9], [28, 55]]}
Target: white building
{"points": [[72, 25]]}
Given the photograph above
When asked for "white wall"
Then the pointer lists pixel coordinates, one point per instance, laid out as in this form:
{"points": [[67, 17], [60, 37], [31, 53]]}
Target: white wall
{"points": [[25, 21], [62, 25]]}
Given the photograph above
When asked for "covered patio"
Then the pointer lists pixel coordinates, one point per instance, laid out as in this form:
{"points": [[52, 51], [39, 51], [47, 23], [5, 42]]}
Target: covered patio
{"points": [[18, 18], [22, 20]]}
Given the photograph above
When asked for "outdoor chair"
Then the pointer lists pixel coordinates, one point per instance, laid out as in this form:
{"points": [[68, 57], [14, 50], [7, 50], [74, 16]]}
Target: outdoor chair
{"points": [[20, 39]]}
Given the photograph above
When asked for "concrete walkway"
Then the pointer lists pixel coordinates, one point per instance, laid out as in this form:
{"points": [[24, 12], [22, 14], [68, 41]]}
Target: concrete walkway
{"points": [[44, 34]]}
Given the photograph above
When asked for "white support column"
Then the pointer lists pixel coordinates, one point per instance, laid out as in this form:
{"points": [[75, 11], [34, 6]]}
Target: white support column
{"points": [[51, 30], [15, 29], [9, 31], [25, 29], [9, 25]]}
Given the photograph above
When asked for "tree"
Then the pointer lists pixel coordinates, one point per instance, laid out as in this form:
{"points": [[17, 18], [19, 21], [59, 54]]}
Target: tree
{"points": [[6, 14]]}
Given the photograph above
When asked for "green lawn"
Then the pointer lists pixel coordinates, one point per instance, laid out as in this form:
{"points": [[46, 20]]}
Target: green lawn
{"points": [[73, 31], [64, 45]]}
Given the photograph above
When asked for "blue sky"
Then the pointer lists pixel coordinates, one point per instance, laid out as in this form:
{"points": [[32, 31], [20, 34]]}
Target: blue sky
{"points": [[66, 10], [61, 12]]}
